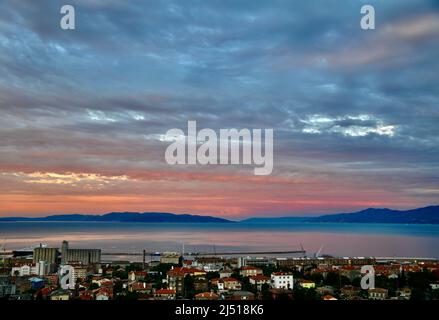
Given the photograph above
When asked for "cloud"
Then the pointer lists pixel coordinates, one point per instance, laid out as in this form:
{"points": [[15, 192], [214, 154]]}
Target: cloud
{"points": [[353, 126], [352, 106]]}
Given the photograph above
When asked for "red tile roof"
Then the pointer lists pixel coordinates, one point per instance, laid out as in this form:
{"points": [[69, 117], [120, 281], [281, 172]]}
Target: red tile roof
{"points": [[165, 291], [183, 271], [229, 279], [249, 268], [208, 295], [260, 278]]}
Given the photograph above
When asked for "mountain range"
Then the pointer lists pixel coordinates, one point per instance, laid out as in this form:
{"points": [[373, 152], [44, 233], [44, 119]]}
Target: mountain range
{"points": [[151, 217], [426, 215]]}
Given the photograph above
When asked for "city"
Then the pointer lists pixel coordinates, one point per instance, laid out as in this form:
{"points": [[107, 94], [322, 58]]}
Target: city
{"points": [[46, 273]]}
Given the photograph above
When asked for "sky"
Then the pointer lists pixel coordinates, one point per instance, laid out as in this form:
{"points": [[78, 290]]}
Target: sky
{"points": [[84, 112]]}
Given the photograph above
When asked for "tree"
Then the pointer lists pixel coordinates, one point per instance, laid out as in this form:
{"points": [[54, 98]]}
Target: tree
{"points": [[265, 292], [93, 286], [189, 288]]}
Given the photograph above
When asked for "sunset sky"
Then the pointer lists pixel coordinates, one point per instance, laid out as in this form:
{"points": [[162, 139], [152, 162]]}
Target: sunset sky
{"points": [[84, 112]]}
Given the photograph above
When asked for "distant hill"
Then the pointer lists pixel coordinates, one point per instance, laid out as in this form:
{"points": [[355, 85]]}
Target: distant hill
{"points": [[420, 216], [126, 217], [426, 215]]}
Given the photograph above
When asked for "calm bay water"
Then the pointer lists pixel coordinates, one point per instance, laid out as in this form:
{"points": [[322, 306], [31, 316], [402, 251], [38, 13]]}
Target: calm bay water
{"points": [[337, 239]]}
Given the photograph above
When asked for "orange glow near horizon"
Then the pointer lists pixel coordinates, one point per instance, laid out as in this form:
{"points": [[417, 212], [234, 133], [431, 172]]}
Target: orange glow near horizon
{"points": [[230, 196]]}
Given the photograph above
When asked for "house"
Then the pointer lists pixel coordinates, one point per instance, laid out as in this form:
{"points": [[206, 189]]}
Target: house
{"points": [[350, 292], [100, 281], [241, 295], [7, 288], [325, 290], [138, 286], [226, 284], [137, 275], [86, 295], [103, 294], [80, 271], [378, 294], [307, 284], [24, 270], [206, 296], [201, 283], [248, 271], [390, 271], [171, 258], [60, 294], [282, 280], [281, 294], [259, 280], [351, 272], [175, 277], [329, 297], [225, 273], [209, 264], [404, 294], [165, 294], [188, 263]]}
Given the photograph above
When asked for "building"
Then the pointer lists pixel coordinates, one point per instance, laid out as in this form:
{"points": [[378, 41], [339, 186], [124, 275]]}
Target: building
{"points": [[351, 272], [176, 277], [350, 292], [404, 294], [24, 270], [60, 295], [137, 275], [84, 256], [325, 290], [49, 255], [225, 273], [249, 271], [241, 295], [206, 296], [332, 261], [138, 286], [378, 294], [103, 294], [165, 294], [259, 280], [79, 272], [41, 268], [281, 294], [6, 287], [226, 284], [307, 284], [259, 261], [282, 280], [201, 284], [171, 258]]}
